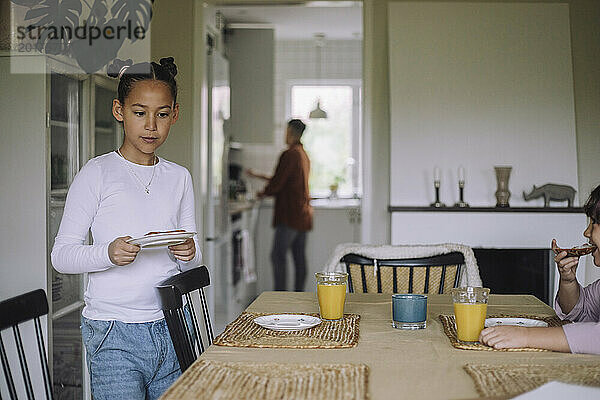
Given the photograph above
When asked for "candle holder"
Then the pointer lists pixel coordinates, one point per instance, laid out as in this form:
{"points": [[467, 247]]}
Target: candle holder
{"points": [[437, 203], [461, 191]]}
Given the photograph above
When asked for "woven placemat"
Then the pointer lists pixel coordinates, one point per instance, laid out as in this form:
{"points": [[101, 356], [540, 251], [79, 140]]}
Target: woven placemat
{"points": [[450, 330], [243, 332], [512, 380], [208, 379]]}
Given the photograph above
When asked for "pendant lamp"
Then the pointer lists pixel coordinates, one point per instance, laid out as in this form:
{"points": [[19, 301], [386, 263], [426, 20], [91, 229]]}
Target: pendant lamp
{"points": [[318, 112]]}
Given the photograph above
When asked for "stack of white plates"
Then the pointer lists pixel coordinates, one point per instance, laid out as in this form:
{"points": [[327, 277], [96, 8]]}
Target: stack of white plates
{"points": [[287, 322], [162, 239]]}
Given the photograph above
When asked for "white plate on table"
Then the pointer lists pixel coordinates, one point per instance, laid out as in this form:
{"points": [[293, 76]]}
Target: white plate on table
{"points": [[162, 239], [287, 322], [526, 322]]}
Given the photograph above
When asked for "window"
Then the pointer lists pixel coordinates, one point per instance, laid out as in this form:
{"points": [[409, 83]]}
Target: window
{"points": [[333, 143]]}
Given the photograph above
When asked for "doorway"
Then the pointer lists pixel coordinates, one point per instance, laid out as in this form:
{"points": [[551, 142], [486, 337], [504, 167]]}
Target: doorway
{"points": [[316, 55]]}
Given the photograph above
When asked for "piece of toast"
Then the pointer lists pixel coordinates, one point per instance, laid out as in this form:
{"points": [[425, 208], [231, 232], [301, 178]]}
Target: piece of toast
{"points": [[577, 251]]}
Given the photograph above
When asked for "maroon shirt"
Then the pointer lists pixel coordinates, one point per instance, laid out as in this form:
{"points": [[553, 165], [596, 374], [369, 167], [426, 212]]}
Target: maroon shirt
{"points": [[289, 185]]}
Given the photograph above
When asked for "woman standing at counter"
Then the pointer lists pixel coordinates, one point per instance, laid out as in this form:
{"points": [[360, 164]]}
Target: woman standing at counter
{"points": [[292, 217]]}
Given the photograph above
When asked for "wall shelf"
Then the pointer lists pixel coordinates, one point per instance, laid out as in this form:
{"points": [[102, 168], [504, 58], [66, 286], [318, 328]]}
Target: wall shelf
{"points": [[570, 210]]}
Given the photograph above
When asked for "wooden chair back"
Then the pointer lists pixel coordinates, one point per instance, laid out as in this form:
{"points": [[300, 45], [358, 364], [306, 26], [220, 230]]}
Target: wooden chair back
{"points": [[14, 312], [436, 274], [183, 325]]}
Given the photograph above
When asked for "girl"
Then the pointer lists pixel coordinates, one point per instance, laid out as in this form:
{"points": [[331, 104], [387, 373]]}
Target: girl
{"points": [[121, 195], [573, 302]]}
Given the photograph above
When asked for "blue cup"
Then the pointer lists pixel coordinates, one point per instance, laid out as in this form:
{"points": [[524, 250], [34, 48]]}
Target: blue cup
{"points": [[409, 311]]}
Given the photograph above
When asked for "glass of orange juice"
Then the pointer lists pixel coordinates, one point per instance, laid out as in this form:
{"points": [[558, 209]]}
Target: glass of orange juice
{"points": [[470, 308], [331, 293]]}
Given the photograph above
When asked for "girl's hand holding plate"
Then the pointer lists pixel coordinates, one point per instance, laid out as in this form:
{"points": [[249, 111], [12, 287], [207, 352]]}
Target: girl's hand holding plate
{"points": [[122, 253], [184, 251]]}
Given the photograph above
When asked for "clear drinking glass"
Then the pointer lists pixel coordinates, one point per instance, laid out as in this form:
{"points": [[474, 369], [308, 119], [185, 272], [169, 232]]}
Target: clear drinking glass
{"points": [[470, 308], [409, 311], [331, 293]]}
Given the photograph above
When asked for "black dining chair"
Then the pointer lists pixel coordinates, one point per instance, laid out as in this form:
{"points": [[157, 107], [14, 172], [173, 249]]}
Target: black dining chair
{"points": [[181, 318], [436, 274], [14, 312]]}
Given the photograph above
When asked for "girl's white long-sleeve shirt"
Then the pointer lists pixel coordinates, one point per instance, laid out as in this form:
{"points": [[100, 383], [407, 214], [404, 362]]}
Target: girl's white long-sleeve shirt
{"points": [[108, 198]]}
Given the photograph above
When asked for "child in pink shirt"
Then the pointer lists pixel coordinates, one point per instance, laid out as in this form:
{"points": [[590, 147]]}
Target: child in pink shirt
{"points": [[573, 302]]}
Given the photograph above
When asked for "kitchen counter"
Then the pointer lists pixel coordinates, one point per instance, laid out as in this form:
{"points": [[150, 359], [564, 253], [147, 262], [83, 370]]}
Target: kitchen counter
{"points": [[322, 203], [334, 221], [335, 203], [236, 207]]}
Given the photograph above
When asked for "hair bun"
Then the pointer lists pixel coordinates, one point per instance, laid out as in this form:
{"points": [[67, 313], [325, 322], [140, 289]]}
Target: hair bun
{"points": [[168, 63], [114, 69]]}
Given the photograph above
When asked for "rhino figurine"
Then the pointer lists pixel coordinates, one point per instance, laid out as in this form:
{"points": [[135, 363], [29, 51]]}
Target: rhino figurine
{"points": [[551, 191]]}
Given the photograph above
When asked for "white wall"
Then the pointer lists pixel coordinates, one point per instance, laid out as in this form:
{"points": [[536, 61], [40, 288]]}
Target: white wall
{"points": [[376, 125], [173, 35], [544, 90], [180, 32], [23, 177], [490, 85], [23, 200], [583, 18]]}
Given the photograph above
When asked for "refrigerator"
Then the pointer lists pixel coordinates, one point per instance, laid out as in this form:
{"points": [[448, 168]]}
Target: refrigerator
{"points": [[217, 246]]}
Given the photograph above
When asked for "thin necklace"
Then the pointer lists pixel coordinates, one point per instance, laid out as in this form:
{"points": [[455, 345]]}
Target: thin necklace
{"points": [[146, 187]]}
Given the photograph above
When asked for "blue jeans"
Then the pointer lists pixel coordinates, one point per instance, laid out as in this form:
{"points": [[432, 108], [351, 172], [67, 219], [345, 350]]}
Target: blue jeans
{"points": [[129, 361], [284, 239]]}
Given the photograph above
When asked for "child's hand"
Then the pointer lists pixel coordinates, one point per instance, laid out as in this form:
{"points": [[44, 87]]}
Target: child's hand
{"points": [[504, 337], [567, 266], [184, 251], [122, 253]]}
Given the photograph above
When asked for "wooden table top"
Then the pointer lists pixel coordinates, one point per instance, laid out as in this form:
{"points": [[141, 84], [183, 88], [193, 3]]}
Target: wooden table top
{"points": [[419, 364]]}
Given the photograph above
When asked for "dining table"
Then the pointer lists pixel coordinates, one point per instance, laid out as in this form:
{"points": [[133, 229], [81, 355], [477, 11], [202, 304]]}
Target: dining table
{"points": [[402, 364]]}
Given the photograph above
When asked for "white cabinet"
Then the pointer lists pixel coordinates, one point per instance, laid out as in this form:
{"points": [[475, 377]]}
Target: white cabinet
{"points": [[334, 222], [233, 276], [251, 55], [331, 227]]}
